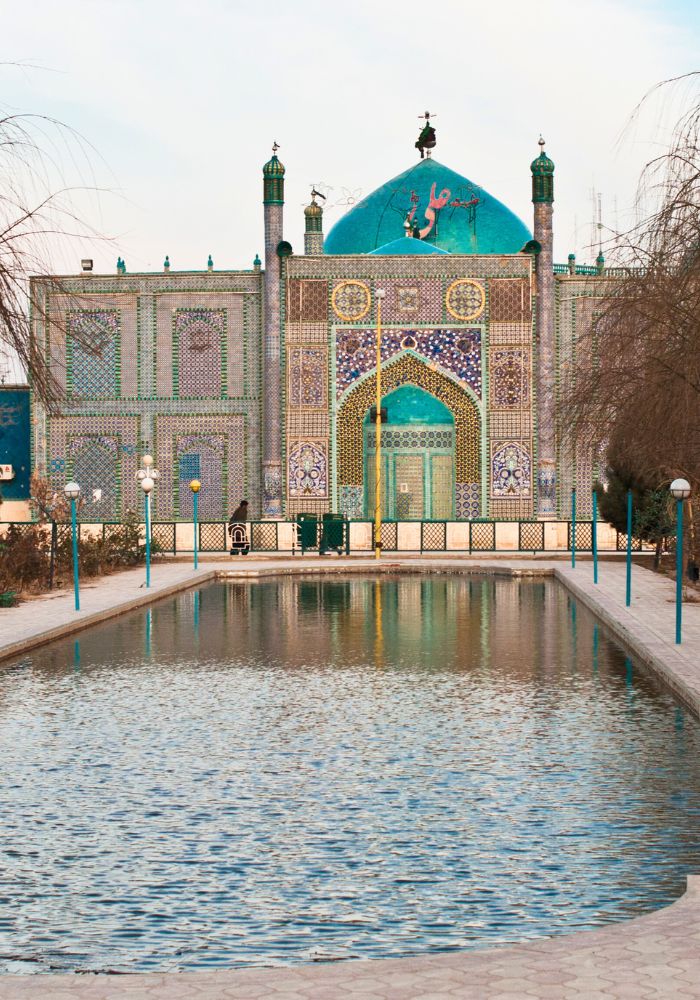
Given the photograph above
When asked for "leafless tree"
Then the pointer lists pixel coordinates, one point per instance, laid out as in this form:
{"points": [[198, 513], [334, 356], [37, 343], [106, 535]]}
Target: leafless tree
{"points": [[639, 395], [36, 212]]}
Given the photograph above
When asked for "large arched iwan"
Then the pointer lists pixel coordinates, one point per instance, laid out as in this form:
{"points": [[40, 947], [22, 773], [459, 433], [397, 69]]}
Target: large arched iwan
{"points": [[408, 369]]}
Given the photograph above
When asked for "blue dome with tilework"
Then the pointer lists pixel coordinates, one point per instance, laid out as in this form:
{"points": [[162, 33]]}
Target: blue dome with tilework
{"points": [[450, 212]]}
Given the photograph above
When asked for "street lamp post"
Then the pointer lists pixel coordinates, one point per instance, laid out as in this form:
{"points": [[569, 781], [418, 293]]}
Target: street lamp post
{"points": [[628, 581], [147, 477], [680, 489], [594, 537], [195, 486], [379, 295], [72, 492]]}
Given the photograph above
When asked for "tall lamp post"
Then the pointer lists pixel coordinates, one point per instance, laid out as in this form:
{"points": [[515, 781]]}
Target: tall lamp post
{"points": [[680, 489], [195, 486], [72, 492], [147, 477], [379, 295]]}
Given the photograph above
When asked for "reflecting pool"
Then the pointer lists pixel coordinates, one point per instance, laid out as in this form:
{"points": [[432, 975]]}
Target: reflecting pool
{"points": [[306, 769]]}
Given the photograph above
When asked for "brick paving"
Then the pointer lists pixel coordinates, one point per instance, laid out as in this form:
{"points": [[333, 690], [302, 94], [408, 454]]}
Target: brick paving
{"points": [[654, 956]]}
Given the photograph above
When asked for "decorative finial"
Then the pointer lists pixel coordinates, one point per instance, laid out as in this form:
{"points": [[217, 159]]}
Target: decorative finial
{"points": [[540, 143], [166, 263], [275, 147], [257, 263], [210, 263], [426, 139]]}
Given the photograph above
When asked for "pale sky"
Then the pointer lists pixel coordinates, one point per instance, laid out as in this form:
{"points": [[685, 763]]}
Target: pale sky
{"points": [[182, 101]]}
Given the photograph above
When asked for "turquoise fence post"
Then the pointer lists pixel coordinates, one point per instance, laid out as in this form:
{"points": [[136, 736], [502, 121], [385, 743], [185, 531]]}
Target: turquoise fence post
{"points": [[573, 528], [594, 537], [71, 491], [74, 530], [195, 486], [680, 491], [148, 539], [679, 568], [628, 588]]}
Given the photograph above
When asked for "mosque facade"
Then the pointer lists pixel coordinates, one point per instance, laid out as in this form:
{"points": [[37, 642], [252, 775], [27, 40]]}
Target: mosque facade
{"points": [[261, 383]]}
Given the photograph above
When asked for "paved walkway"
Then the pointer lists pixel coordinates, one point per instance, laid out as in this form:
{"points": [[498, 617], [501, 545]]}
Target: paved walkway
{"points": [[655, 956]]}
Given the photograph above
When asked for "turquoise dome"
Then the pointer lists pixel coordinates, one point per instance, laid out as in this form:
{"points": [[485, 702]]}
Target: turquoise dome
{"points": [[405, 246], [463, 218]]}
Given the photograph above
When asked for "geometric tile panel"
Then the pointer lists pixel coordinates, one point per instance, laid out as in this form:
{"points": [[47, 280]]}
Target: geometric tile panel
{"points": [[204, 453], [94, 464], [219, 443], [307, 301], [93, 352], [509, 425], [199, 334], [103, 450], [468, 497], [509, 300]]}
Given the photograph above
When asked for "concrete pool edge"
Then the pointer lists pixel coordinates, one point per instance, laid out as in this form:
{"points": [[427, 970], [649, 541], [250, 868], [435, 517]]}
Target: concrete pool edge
{"points": [[654, 955]]}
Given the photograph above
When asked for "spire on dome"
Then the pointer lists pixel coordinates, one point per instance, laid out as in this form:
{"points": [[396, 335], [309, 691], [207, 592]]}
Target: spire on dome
{"points": [[426, 139], [273, 174], [542, 169]]}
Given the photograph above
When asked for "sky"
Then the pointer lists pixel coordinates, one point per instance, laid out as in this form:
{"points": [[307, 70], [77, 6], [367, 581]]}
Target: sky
{"points": [[177, 105]]}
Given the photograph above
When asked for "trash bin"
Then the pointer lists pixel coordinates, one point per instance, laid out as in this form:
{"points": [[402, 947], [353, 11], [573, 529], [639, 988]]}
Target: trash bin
{"points": [[332, 533], [307, 531]]}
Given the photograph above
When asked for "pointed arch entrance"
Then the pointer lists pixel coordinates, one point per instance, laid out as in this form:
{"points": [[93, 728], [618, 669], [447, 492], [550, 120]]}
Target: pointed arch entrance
{"points": [[409, 369]]}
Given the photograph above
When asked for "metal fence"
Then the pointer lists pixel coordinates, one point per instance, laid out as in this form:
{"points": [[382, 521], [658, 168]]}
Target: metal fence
{"points": [[171, 537]]}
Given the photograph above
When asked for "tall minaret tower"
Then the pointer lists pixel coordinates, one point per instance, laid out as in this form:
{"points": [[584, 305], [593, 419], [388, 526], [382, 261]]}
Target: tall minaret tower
{"points": [[273, 201], [313, 235], [543, 197]]}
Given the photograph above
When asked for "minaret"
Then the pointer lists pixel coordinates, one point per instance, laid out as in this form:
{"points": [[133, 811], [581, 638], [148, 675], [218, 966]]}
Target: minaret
{"points": [[542, 197], [273, 201], [313, 235]]}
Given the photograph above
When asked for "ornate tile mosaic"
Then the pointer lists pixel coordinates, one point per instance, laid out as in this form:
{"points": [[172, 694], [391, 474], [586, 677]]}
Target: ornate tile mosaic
{"points": [[511, 470], [465, 299], [352, 502], [306, 377], [458, 351], [308, 469], [510, 378], [410, 301]]}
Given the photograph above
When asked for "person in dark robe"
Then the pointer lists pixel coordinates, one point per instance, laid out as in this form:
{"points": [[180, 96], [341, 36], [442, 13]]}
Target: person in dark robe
{"points": [[237, 530]]}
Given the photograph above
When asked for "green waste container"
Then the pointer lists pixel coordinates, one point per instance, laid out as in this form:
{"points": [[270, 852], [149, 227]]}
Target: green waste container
{"points": [[307, 531], [333, 533]]}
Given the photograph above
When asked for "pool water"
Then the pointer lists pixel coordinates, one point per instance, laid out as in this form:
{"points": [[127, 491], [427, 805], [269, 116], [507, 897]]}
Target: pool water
{"points": [[306, 769]]}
